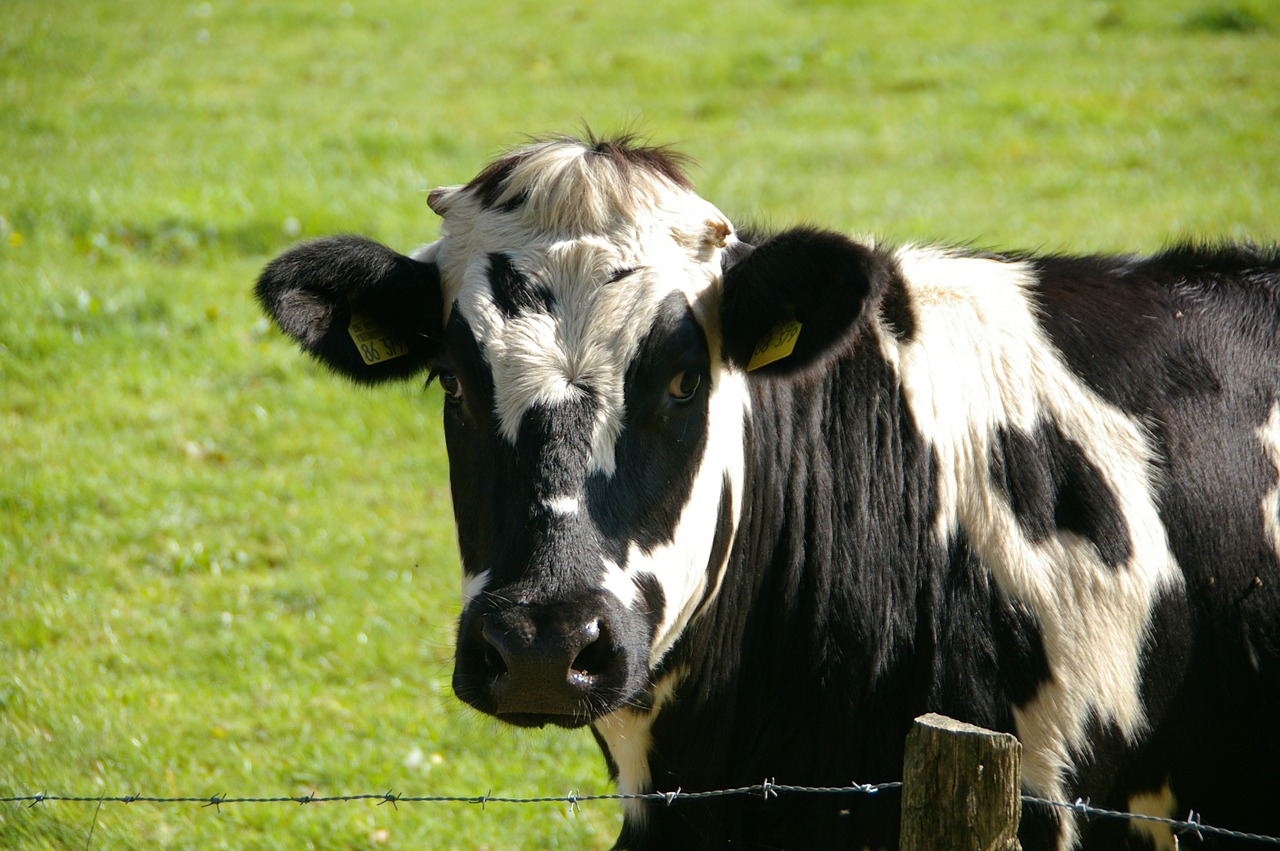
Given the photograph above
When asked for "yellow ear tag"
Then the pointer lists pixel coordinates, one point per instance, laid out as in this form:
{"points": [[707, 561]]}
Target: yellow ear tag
{"points": [[777, 344], [375, 344]]}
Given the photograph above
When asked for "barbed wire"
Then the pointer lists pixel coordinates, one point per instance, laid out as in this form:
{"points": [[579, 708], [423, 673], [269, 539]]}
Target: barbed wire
{"points": [[767, 789], [1191, 826]]}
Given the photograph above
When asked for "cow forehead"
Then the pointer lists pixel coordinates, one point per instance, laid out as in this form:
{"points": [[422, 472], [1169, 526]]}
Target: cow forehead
{"points": [[593, 254], [566, 191]]}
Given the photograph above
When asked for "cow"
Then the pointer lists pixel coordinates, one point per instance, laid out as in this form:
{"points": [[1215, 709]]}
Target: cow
{"points": [[745, 504]]}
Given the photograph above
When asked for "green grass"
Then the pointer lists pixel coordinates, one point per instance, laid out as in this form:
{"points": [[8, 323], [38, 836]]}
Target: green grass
{"points": [[222, 571]]}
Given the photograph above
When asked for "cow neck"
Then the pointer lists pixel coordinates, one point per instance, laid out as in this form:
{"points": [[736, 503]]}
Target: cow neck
{"points": [[834, 527]]}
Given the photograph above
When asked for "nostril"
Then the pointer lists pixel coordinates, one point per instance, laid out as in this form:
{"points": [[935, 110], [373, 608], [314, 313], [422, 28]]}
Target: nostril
{"points": [[488, 637], [492, 659], [595, 656]]}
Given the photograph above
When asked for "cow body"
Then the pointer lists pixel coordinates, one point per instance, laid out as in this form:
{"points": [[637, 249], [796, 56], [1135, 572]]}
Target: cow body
{"points": [[1039, 494]]}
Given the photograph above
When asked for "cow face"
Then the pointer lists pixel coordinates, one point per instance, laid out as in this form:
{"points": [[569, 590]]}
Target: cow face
{"points": [[594, 441], [591, 347]]}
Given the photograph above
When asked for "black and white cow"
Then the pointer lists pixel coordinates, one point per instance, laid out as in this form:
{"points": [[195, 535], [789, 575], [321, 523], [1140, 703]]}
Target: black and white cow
{"points": [[1040, 494]]}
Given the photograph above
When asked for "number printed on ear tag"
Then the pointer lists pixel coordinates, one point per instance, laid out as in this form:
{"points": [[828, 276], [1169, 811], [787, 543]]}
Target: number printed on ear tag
{"points": [[777, 344], [375, 344]]}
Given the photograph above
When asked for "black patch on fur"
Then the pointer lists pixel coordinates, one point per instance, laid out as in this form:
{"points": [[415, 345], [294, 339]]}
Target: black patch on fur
{"points": [[512, 290], [489, 184], [1189, 373], [660, 449], [555, 442], [1050, 484], [896, 311], [1024, 665], [1139, 329], [655, 602], [628, 151]]}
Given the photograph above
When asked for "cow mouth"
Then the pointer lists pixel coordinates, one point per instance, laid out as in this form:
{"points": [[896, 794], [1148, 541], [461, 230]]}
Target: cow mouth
{"points": [[542, 719]]}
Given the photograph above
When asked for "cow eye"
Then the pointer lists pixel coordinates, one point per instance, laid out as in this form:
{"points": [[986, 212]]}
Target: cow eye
{"points": [[450, 385], [683, 385]]}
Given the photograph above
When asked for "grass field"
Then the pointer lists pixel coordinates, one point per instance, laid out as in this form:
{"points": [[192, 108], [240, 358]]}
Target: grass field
{"points": [[222, 571]]}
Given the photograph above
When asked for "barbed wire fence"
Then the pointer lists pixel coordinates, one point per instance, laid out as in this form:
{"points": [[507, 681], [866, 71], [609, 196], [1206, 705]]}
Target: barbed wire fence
{"points": [[1192, 826]]}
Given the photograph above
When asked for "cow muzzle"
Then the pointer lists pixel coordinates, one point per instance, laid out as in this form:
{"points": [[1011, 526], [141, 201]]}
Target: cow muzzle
{"points": [[558, 663]]}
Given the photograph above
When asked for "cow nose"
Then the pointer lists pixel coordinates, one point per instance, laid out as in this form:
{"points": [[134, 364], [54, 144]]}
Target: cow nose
{"points": [[522, 653], [541, 665]]}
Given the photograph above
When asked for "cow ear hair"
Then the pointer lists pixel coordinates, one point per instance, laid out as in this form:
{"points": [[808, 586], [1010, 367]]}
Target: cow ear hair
{"points": [[822, 282], [362, 309]]}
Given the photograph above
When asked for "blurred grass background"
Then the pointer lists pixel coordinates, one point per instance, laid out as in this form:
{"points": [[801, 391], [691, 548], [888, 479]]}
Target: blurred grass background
{"points": [[222, 571]]}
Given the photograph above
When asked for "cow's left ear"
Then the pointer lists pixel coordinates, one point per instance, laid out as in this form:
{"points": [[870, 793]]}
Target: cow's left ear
{"points": [[796, 298], [360, 308]]}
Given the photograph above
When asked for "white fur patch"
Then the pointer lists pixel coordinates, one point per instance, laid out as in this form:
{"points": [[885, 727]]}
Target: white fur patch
{"points": [[1161, 804], [680, 567], [1269, 436], [626, 733], [980, 362], [583, 221], [620, 583], [472, 585], [563, 506]]}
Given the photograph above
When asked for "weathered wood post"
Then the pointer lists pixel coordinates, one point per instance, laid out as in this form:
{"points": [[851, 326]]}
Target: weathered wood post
{"points": [[960, 788]]}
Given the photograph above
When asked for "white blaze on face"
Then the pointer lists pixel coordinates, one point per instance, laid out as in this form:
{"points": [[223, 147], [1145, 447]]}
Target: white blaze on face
{"points": [[681, 567], [669, 239]]}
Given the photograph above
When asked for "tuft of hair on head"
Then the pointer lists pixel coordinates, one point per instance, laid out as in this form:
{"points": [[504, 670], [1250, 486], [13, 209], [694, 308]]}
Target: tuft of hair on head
{"points": [[629, 149], [574, 185]]}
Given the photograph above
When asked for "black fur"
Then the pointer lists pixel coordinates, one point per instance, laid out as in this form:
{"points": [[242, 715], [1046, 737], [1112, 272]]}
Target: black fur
{"points": [[833, 630], [513, 292], [489, 184], [659, 451], [843, 619]]}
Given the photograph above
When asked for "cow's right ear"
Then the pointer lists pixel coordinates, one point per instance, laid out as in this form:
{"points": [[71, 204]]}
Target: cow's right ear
{"points": [[355, 305]]}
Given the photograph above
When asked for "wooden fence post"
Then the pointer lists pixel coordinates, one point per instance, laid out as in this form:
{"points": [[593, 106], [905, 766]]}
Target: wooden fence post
{"points": [[961, 787]]}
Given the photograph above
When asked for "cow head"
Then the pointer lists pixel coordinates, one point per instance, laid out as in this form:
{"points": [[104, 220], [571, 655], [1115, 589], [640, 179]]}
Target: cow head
{"points": [[590, 320]]}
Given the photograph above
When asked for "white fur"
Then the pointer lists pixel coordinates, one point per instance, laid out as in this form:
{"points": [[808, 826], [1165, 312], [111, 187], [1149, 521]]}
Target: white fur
{"points": [[472, 585], [563, 506], [1269, 436], [626, 733], [620, 583], [681, 566], [669, 235], [978, 362], [1161, 804]]}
